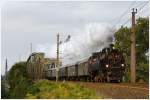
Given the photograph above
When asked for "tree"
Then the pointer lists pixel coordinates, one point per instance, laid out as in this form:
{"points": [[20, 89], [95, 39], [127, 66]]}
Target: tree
{"points": [[123, 43], [142, 39], [142, 47], [4, 88], [18, 80]]}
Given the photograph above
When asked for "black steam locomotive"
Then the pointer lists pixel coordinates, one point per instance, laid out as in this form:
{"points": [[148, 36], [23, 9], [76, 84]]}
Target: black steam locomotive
{"points": [[103, 66], [107, 65]]}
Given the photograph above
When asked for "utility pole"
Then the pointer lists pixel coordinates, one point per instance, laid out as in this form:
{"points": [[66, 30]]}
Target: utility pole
{"points": [[19, 58], [6, 66], [57, 66], [31, 48], [31, 65], [133, 52]]}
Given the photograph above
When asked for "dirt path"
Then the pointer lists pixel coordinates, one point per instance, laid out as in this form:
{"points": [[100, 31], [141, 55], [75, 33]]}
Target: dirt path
{"points": [[118, 90]]}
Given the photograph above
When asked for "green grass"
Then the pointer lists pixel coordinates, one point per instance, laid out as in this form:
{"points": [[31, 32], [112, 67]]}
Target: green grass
{"points": [[45, 89]]}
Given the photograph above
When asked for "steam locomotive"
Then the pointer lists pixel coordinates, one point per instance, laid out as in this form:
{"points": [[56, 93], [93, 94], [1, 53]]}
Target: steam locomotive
{"points": [[104, 66]]}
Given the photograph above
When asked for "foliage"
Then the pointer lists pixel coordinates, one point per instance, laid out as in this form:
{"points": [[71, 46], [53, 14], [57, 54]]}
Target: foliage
{"points": [[22, 87], [142, 39], [18, 80], [123, 43], [4, 90], [52, 90], [143, 72]]}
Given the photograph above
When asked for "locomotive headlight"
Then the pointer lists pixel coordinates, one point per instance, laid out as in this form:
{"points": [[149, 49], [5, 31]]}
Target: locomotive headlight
{"points": [[107, 66], [122, 65]]}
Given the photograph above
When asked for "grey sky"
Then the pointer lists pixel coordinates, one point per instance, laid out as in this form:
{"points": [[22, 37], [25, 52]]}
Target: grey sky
{"points": [[38, 22]]}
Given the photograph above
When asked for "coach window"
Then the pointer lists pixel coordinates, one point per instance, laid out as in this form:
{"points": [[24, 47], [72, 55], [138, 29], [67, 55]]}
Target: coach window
{"points": [[53, 65], [49, 66], [39, 59]]}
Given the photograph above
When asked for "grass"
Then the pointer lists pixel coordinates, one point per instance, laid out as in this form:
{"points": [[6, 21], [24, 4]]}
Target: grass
{"points": [[45, 89]]}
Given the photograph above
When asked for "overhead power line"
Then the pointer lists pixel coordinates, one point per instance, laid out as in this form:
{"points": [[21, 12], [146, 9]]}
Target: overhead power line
{"points": [[139, 11], [126, 11], [142, 7], [126, 22]]}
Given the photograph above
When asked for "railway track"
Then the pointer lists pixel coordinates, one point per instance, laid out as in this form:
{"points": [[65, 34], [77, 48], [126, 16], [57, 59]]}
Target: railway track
{"points": [[141, 86], [134, 86], [118, 90]]}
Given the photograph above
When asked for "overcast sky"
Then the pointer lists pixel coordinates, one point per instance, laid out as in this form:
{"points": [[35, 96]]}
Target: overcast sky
{"points": [[38, 22]]}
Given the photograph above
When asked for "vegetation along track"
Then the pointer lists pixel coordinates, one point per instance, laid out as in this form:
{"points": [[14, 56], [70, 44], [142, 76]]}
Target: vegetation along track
{"points": [[119, 90]]}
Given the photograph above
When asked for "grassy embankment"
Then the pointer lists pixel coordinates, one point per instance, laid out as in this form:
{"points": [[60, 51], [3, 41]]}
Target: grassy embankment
{"points": [[51, 90]]}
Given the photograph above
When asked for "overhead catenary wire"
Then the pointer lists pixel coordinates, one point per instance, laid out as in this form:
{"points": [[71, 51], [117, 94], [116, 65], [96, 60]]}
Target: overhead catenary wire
{"points": [[137, 14], [142, 7], [139, 9], [126, 11]]}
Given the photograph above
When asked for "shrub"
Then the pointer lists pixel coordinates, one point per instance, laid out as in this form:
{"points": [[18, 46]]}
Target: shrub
{"points": [[51, 90]]}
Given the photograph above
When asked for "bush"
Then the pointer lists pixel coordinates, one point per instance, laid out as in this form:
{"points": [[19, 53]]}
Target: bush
{"points": [[45, 89], [18, 81]]}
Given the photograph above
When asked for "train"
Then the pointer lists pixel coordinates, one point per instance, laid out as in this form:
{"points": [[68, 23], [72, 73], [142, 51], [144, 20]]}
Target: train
{"points": [[106, 65]]}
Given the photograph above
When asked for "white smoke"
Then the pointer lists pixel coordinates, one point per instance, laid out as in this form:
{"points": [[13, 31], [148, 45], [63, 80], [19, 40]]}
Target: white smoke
{"points": [[94, 37]]}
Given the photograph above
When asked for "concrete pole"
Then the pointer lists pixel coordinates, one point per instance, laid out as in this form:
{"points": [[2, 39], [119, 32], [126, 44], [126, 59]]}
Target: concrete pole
{"points": [[6, 66], [31, 48], [133, 52], [57, 66]]}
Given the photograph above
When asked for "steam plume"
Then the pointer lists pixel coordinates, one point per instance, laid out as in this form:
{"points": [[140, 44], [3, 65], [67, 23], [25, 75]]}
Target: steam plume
{"points": [[94, 37]]}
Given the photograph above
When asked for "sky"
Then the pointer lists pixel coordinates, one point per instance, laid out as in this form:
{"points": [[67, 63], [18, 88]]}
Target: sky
{"points": [[38, 22]]}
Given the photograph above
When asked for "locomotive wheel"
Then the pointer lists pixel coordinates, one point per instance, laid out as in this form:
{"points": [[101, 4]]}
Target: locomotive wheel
{"points": [[103, 79], [94, 79], [119, 81], [123, 79], [97, 78], [108, 79]]}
